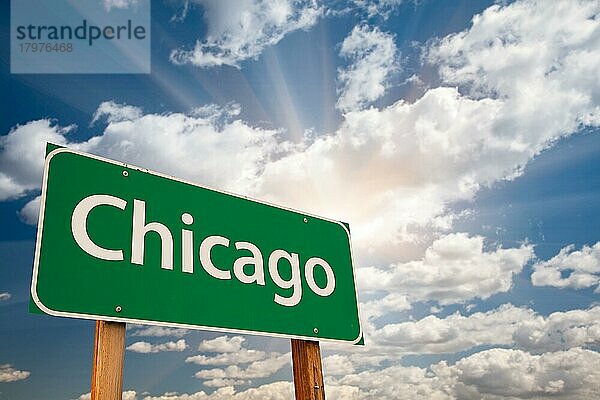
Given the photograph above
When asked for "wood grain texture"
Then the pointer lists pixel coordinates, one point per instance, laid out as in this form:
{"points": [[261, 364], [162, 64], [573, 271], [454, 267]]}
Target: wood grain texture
{"points": [[308, 374], [109, 351]]}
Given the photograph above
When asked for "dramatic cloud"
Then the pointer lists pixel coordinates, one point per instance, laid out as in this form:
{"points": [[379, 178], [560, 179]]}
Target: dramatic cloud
{"points": [[145, 347], [532, 70], [155, 331], [570, 268], [5, 296], [10, 374], [373, 58], [222, 344], [455, 268], [522, 77], [238, 31], [407, 163]]}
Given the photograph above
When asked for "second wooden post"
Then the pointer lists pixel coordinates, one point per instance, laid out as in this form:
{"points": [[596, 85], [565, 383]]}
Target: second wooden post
{"points": [[109, 352], [308, 374]]}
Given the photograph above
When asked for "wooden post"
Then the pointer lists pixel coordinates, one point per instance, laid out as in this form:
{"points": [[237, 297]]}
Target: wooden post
{"points": [[109, 351], [308, 375]]}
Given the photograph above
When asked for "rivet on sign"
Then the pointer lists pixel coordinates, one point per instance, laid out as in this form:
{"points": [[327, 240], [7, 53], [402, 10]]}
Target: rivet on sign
{"points": [[118, 308], [316, 330], [125, 173], [305, 219]]}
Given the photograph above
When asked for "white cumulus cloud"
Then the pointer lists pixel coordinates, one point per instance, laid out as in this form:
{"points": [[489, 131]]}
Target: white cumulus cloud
{"points": [[387, 383], [155, 331], [381, 8], [524, 75], [392, 302], [257, 369], [538, 57], [127, 395], [559, 331], [454, 333], [22, 156], [515, 373], [373, 58], [31, 211], [505, 326], [271, 391], [241, 356], [10, 374], [231, 353], [119, 4], [145, 347], [114, 112], [491, 374], [222, 344], [582, 268], [223, 382], [454, 269], [336, 365], [407, 162], [241, 30], [227, 153]]}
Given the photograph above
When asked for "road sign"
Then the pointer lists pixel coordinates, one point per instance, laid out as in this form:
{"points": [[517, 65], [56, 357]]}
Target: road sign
{"points": [[121, 243]]}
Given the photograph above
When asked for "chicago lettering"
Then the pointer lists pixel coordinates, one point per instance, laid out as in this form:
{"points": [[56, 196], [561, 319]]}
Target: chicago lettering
{"points": [[140, 227]]}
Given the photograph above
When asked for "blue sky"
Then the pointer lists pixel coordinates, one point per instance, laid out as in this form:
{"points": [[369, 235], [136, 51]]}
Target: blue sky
{"points": [[458, 138]]}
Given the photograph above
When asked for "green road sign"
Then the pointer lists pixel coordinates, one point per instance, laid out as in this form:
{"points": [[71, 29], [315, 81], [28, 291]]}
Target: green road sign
{"points": [[121, 243]]}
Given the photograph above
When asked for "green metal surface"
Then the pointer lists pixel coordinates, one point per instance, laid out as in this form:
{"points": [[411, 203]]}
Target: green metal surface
{"points": [[70, 282]]}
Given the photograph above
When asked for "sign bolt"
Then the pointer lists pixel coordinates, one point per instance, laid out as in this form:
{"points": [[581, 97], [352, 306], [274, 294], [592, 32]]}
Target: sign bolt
{"points": [[316, 330], [305, 220], [125, 173], [118, 308]]}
